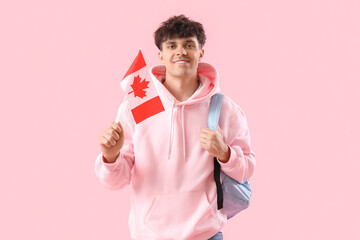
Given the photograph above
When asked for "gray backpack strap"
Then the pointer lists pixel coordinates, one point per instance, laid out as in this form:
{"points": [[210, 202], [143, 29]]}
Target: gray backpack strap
{"points": [[213, 120], [214, 110]]}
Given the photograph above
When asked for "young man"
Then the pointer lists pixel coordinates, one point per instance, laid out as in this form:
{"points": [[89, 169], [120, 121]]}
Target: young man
{"points": [[168, 158]]}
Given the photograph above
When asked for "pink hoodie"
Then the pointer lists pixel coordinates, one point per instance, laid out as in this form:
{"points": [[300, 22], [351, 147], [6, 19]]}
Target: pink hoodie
{"points": [[173, 192]]}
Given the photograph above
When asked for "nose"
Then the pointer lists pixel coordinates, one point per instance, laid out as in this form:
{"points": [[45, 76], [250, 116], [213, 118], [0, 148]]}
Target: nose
{"points": [[180, 51]]}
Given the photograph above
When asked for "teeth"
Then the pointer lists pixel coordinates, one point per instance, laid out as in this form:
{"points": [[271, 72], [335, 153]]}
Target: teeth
{"points": [[181, 62]]}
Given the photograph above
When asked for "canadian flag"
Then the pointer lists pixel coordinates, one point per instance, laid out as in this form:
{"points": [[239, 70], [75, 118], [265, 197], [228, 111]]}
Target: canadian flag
{"points": [[140, 91]]}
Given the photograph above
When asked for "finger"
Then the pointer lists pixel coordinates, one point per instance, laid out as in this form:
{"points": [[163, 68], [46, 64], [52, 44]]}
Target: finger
{"points": [[204, 142], [113, 133], [204, 138], [203, 145], [210, 135], [207, 130], [204, 135], [116, 127], [207, 134], [109, 138], [104, 141]]}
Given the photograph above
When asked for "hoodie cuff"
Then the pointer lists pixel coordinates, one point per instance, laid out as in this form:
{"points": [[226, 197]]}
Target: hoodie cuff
{"points": [[110, 166], [233, 160]]}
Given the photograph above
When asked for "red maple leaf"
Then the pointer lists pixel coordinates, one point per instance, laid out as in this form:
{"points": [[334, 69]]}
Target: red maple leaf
{"points": [[138, 87]]}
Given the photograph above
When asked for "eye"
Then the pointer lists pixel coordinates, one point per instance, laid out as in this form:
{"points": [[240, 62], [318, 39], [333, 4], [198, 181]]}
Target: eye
{"points": [[171, 46], [190, 46]]}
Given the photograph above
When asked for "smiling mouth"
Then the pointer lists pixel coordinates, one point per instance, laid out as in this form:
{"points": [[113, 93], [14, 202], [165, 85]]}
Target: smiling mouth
{"points": [[181, 62]]}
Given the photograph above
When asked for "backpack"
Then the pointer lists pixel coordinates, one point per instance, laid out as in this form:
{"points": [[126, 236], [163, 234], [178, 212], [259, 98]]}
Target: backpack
{"points": [[232, 195]]}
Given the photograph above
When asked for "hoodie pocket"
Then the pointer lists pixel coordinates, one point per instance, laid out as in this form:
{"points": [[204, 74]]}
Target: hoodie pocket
{"points": [[178, 215]]}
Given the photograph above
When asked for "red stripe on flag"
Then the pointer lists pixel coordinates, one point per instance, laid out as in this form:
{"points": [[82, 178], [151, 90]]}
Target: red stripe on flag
{"points": [[147, 109], [138, 63]]}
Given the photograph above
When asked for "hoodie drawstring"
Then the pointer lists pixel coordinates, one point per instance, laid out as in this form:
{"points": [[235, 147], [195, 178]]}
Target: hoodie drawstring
{"points": [[172, 130], [183, 129]]}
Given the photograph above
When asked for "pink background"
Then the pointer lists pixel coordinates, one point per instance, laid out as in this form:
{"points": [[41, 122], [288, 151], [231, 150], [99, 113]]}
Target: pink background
{"points": [[293, 66]]}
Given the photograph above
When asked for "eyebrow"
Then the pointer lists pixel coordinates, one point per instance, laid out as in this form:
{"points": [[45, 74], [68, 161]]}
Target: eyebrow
{"points": [[172, 41]]}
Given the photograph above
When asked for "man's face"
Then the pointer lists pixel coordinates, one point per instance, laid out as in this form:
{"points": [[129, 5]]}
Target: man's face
{"points": [[181, 56]]}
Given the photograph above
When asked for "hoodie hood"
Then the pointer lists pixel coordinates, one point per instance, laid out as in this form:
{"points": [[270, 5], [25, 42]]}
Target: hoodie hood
{"points": [[209, 85], [207, 74]]}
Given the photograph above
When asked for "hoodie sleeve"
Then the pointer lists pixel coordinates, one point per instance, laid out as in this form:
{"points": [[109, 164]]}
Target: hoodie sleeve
{"points": [[242, 161], [117, 175]]}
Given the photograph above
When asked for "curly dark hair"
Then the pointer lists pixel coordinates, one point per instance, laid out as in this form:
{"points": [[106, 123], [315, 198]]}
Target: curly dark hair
{"points": [[179, 26]]}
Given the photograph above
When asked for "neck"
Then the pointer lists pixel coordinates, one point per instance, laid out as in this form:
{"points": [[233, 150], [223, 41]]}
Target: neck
{"points": [[181, 88]]}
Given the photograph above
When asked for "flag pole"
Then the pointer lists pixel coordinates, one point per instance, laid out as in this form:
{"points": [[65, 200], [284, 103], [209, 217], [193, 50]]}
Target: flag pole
{"points": [[121, 109]]}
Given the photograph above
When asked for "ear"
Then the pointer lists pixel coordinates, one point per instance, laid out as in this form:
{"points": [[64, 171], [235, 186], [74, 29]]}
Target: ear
{"points": [[201, 54], [161, 57]]}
